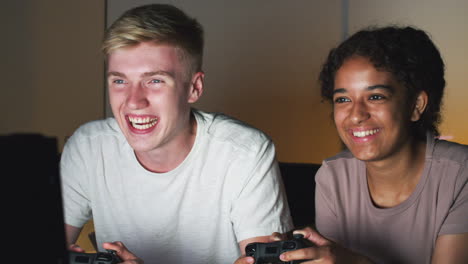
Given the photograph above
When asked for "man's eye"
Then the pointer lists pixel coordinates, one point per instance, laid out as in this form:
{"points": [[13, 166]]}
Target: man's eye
{"points": [[118, 81], [155, 81], [341, 100]]}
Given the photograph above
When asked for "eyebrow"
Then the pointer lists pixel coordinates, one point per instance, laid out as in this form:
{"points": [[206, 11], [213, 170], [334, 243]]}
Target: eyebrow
{"points": [[381, 86], [389, 88], [339, 90], [118, 74], [164, 73], [145, 74]]}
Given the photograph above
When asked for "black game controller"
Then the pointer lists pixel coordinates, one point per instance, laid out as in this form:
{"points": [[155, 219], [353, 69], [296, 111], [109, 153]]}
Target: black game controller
{"points": [[270, 252], [109, 257]]}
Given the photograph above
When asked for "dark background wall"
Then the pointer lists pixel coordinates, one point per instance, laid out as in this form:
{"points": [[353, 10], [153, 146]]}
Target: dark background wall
{"points": [[262, 60]]}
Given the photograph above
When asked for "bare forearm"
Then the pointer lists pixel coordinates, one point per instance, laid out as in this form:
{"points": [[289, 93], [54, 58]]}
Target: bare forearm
{"points": [[72, 233]]}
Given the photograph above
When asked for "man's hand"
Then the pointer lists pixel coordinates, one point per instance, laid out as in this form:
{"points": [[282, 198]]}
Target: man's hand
{"points": [[75, 248], [325, 251], [249, 260], [123, 253]]}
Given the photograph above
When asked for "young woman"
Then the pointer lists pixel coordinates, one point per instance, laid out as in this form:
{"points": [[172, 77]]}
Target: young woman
{"points": [[398, 194]]}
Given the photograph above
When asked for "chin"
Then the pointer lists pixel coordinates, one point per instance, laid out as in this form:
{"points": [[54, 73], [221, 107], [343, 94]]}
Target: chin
{"points": [[139, 145], [365, 155], [142, 149]]}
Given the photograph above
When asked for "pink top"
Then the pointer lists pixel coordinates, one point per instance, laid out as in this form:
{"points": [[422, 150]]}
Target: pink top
{"points": [[407, 232]]}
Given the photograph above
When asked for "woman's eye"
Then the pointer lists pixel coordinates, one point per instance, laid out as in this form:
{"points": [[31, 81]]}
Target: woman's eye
{"points": [[341, 100], [376, 97]]}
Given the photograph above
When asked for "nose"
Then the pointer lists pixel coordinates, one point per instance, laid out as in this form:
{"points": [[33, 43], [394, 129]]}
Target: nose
{"points": [[359, 112], [137, 97]]}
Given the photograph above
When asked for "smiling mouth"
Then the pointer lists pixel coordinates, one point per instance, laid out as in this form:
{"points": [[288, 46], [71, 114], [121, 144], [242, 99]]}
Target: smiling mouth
{"points": [[142, 123], [365, 133]]}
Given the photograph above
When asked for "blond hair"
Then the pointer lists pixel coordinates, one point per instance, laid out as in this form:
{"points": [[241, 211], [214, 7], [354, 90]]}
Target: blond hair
{"points": [[161, 24]]}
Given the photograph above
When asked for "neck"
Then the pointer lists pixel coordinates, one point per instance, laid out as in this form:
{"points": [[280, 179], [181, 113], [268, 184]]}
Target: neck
{"points": [[393, 180], [172, 154]]}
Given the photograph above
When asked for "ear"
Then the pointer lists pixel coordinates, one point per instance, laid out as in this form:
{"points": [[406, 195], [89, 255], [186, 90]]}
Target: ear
{"points": [[196, 87], [419, 106]]}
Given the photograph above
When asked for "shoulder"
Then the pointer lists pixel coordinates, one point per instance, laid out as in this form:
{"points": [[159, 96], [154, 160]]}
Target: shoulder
{"points": [[227, 130], [97, 128], [342, 162], [339, 169], [344, 156], [450, 151], [95, 133], [450, 163]]}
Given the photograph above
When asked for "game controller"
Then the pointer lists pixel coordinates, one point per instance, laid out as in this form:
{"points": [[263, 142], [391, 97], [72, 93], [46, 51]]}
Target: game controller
{"points": [[270, 252], [109, 257]]}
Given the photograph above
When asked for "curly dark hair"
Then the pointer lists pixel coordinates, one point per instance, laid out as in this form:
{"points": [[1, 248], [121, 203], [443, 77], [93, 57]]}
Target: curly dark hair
{"points": [[407, 53]]}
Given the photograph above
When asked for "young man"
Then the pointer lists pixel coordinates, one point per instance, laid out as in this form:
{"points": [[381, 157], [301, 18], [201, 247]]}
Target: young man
{"points": [[172, 184]]}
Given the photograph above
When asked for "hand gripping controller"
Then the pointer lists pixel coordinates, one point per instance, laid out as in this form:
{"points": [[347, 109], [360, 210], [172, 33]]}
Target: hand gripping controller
{"points": [[109, 257], [270, 252]]}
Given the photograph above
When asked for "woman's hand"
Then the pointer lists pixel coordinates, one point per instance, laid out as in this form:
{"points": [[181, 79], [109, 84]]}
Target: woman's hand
{"points": [[245, 260], [325, 251]]}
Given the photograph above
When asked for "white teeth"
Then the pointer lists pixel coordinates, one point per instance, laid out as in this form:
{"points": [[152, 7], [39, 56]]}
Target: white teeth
{"points": [[142, 123], [365, 133], [141, 120]]}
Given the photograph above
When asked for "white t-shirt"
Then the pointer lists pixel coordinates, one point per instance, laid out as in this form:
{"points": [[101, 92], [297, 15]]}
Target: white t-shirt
{"points": [[226, 190]]}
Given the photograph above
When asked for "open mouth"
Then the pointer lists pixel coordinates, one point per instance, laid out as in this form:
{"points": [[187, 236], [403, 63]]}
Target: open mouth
{"points": [[142, 123], [365, 133]]}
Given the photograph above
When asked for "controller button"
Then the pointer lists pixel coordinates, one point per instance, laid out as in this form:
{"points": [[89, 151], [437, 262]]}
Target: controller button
{"points": [[289, 245], [250, 248], [298, 236]]}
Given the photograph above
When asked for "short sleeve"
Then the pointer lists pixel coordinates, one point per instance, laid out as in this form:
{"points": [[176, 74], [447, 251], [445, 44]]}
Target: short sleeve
{"points": [[325, 214], [261, 207], [73, 173], [456, 221]]}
